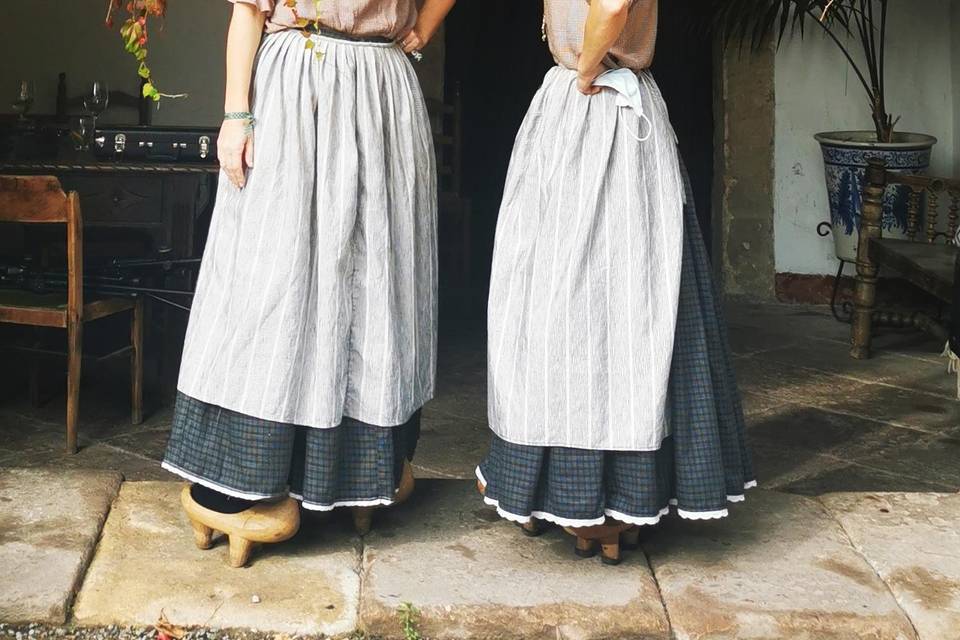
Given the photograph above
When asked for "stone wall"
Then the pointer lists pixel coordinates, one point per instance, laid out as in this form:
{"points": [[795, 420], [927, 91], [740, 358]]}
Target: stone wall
{"points": [[744, 148]]}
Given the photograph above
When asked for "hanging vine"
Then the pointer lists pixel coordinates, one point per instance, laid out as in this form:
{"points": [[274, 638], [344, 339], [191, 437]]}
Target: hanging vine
{"points": [[136, 36]]}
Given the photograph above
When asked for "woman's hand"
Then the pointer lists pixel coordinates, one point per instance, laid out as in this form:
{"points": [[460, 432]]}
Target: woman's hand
{"points": [[235, 151], [412, 41], [585, 81], [429, 20]]}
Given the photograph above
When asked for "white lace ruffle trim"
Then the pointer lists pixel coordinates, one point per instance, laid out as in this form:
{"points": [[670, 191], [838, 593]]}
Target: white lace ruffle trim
{"points": [[219, 488], [611, 513], [245, 495], [313, 506]]}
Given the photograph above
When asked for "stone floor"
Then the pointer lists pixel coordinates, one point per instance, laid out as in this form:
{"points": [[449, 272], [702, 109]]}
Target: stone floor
{"points": [[854, 533], [819, 421]]}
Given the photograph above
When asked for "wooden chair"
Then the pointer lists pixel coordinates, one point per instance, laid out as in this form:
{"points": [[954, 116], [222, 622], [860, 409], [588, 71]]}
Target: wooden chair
{"points": [[926, 259], [455, 224], [41, 200]]}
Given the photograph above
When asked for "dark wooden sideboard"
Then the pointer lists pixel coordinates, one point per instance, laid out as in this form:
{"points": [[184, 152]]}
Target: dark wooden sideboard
{"points": [[137, 210], [164, 206]]}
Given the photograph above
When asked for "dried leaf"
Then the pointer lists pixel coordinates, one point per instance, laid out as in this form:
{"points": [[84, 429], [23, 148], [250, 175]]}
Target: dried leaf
{"points": [[164, 627]]}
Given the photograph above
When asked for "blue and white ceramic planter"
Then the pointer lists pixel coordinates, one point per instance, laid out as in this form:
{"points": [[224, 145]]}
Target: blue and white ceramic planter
{"points": [[845, 155]]}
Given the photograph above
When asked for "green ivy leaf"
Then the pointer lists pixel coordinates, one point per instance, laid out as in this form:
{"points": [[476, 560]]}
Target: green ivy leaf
{"points": [[133, 34], [144, 71], [150, 91]]}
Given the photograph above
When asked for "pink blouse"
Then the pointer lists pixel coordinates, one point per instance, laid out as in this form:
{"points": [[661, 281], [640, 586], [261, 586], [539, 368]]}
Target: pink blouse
{"points": [[566, 19], [389, 18]]}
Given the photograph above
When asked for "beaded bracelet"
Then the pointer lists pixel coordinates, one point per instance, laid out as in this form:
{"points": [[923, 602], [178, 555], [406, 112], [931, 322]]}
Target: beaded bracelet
{"points": [[242, 115]]}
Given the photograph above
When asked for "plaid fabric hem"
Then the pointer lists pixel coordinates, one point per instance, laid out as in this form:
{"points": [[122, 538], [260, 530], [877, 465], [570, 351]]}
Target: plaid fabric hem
{"points": [[704, 465], [581, 488], [353, 464]]}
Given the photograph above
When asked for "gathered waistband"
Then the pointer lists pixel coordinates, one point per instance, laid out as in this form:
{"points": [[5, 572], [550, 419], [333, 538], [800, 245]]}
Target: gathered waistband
{"points": [[349, 38]]}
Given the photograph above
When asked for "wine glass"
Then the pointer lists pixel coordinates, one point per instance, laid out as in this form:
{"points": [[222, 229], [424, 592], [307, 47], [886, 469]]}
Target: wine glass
{"points": [[97, 101], [86, 130], [25, 97]]}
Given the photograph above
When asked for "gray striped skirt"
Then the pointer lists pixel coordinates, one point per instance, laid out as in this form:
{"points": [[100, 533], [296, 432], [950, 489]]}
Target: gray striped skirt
{"points": [[312, 339], [317, 294], [701, 467]]}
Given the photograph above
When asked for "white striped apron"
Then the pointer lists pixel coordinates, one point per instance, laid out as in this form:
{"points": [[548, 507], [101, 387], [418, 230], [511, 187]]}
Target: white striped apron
{"points": [[586, 272], [317, 293]]}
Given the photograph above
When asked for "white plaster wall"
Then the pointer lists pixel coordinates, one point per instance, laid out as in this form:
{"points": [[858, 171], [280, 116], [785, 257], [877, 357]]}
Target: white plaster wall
{"points": [[44, 37], [816, 91]]}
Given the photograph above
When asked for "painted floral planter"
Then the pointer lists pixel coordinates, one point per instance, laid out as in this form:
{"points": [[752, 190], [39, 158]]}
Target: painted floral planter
{"points": [[845, 156]]}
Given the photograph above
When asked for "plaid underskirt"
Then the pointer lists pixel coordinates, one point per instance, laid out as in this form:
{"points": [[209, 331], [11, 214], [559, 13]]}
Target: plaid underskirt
{"points": [[704, 465], [353, 464]]}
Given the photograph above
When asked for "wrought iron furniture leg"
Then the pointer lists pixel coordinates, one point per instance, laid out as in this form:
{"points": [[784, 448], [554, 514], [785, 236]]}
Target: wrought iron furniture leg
{"points": [[836, 293]]}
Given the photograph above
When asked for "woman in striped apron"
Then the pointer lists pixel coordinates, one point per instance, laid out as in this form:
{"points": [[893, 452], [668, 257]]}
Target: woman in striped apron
{"points": [[611, 394], [312, 339]]}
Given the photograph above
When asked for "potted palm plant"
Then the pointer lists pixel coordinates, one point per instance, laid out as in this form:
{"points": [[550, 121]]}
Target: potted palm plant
{"points": [[858, 28]]}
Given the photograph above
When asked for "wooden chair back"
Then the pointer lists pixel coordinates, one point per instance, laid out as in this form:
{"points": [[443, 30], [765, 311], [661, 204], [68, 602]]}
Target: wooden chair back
{"points": [[41, 200], [921, 259], [926, 195]]}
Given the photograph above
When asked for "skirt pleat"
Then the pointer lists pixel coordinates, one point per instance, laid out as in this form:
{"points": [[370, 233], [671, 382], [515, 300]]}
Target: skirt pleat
{"points": [[704, 465]]}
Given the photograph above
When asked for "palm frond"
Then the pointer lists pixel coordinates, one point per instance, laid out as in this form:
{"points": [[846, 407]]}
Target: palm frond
{"points": [[854, 26]]}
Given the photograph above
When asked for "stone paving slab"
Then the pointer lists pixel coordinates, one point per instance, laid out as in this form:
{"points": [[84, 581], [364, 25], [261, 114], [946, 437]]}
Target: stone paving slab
{"points": [[449, 446], [857, 477], [147, 563], [913, 542], [796, 385], [931, 458], [474, 575], [49, 524], [779, 567], [926, 373]]}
